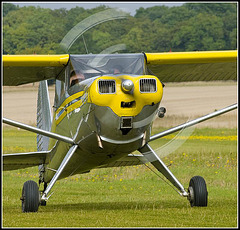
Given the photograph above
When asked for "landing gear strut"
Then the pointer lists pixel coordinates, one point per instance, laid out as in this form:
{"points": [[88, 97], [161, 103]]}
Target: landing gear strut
{"points": [[197, 192], [44, 202]]}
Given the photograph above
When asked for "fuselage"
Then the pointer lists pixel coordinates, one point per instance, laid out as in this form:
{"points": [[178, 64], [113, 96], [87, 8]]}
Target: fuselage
{"points": [[105, 118]]}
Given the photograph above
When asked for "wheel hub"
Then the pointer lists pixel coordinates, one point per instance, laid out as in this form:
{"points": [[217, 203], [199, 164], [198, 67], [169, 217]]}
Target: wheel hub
{"points": [[191, 195]]}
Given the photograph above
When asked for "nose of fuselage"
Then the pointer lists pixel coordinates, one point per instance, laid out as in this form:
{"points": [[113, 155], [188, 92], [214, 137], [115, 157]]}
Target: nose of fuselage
{"points": [[126, 95], [124, 106]]}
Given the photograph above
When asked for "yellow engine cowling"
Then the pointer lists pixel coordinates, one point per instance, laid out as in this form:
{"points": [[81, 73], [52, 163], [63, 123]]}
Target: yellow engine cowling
{"points": [[109, 91]]}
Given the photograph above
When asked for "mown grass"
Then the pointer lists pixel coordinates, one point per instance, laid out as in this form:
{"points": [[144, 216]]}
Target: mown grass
{"points": [[132, 196]]}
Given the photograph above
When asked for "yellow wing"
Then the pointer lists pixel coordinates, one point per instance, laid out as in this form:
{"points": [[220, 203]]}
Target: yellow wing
{"points": [[23, 69], [169, 67], [193, 66]]}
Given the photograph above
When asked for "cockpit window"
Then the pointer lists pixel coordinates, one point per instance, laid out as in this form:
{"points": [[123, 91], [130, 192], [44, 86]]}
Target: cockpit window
{"points": [[88, 66], [76, 77]]}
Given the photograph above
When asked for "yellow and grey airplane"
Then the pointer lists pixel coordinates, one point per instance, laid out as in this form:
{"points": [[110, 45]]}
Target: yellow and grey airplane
{"points": [[103, 111]]}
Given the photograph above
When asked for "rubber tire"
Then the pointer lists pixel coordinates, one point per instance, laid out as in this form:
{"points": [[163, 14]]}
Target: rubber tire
{"points": [[199, 188], [30, 196]]}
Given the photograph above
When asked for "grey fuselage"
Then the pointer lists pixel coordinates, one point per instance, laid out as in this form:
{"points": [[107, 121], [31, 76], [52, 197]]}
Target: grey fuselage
{"points": [[106, 126]]}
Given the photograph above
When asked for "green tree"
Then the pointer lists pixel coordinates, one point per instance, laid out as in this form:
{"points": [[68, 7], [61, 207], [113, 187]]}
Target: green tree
{"points": [[202, 32], [31, 27], [152, 13], [192, 26], [7, 7]]}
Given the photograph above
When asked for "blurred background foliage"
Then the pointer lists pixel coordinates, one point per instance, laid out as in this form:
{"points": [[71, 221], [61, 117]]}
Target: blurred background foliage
{"points": [[189, 27]]}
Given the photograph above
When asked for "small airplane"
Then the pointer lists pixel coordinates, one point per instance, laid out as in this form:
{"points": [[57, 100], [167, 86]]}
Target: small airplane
{"points": [[103, 111]]}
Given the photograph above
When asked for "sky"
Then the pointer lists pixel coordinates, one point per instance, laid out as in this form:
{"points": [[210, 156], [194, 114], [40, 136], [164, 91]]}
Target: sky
{"points": [[127, 6]]}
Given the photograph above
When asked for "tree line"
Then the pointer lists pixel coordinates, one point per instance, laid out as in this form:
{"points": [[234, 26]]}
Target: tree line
{"points": [[189, 27]]}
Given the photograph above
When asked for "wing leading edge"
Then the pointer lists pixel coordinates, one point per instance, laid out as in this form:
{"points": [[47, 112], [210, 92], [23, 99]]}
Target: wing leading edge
{"points": [[169, 67], [23, 69], [193, 66]]}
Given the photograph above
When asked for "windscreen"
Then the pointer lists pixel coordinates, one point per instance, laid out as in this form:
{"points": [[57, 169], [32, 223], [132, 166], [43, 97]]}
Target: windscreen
{"points": [[90, 65]]}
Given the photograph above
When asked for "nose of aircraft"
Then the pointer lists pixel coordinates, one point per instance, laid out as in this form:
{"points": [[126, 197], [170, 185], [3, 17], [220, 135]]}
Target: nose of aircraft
{"points": [[127, 85], [125, 95]]}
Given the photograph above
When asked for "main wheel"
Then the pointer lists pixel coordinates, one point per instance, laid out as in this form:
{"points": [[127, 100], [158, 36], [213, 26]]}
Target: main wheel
{"points": [[198, 194], [30, 196]]}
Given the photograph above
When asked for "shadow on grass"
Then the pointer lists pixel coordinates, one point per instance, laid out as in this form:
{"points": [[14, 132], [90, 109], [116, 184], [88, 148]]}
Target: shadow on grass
{"points": [[137, 205], [131, 205], [175, 204]]}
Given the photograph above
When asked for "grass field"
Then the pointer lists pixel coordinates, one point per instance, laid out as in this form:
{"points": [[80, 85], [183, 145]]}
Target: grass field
{"points": [[132, 196]]}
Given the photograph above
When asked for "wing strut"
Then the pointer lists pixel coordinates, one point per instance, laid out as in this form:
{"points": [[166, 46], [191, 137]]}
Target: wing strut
{"points": [[39, 131], [193, 122]]}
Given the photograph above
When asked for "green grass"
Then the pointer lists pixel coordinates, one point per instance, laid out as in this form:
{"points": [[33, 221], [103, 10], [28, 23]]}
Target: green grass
{"points": [[132, 196]]}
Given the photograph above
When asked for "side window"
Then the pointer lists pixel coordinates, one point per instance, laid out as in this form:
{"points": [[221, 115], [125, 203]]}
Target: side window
{"points": [[61, 88], [76, 76], [59, 92]]}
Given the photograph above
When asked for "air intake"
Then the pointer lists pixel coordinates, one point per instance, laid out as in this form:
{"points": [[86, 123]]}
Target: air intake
{"points": [[148, 85], [107, 86]]}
